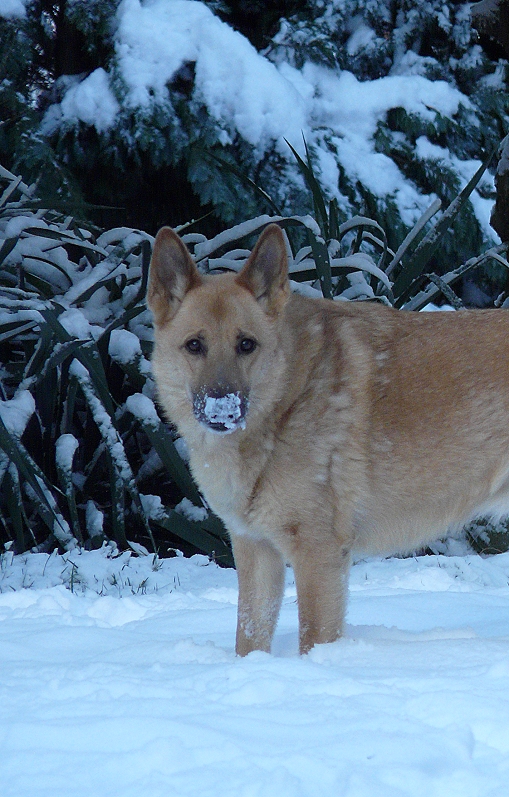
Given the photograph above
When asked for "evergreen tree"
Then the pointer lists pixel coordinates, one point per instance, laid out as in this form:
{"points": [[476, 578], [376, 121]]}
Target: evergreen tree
{"points": [[72, 115], [374, 39]]}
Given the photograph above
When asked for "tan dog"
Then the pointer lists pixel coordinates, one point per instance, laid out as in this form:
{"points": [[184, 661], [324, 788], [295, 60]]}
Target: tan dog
{"points": [[318, 428]]}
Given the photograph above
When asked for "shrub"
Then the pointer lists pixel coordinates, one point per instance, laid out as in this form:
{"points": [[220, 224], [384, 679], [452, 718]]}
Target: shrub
{"points": [[84, 454]]}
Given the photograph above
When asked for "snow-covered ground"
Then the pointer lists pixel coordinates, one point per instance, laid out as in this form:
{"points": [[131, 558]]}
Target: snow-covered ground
{"points": [[118, 677]]}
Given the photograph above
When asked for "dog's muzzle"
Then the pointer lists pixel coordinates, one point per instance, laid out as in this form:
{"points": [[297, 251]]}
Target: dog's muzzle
{"points": [[220, 411]]}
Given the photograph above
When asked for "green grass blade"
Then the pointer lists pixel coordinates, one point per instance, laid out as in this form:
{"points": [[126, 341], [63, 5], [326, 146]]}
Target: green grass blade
{"points": [[37, 482], [314, 186], [334, 219], [7, 247], [432, 292], [14, 502], [117, 491], [412, 235], [15, 329], [64, 472], [89, 357], [322, 263], [430, 243], [144, 411], [196, 534], [121, 475], [360, 222], [60, 354]]}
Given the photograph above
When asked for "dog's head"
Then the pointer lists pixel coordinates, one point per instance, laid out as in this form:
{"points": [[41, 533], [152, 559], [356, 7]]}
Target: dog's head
{"points": [[216, 336]]}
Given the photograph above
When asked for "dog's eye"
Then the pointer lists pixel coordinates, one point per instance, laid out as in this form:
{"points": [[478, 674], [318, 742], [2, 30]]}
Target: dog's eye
{"points": [[195, 346], [246, 346]]}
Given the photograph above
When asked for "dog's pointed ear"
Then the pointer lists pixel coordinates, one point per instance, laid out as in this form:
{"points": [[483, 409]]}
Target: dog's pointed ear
{"points": [[265, 273], [172, 274]]}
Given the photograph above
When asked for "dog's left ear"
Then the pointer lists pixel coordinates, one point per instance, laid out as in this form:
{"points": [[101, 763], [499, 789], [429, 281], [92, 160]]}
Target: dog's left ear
{"points": [[265, 274], [172, 274]]}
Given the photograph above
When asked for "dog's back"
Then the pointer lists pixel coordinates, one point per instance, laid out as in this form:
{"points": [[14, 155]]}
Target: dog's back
{"points": [[438, 434]]}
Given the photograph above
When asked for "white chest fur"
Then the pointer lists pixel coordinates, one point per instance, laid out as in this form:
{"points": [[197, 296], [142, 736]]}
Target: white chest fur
{"points": [[224, 477]]}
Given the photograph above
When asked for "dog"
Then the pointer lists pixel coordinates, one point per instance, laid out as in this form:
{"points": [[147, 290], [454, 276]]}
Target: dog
{"points": [[319, 428]]}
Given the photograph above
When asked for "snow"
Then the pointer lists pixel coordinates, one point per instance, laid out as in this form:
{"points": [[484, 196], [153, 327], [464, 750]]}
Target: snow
{"points": [[239, 86], [65, 449], [466, 169], [352, 108], [190, 511], [360, 37], [118, 677], [13, 8], [18, 224], [142, 407], [90, 100], [75, 323], [94, 519], [16, 412], [152, 506], [222, 410], [124, 346]]}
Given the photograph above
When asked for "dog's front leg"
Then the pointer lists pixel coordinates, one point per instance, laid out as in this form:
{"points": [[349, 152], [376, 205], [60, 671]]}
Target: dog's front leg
{"points": [[261, 575], [321, 578]]}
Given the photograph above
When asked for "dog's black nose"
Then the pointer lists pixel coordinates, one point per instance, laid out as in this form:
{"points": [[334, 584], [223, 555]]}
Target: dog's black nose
{"points": [[221, 410]]}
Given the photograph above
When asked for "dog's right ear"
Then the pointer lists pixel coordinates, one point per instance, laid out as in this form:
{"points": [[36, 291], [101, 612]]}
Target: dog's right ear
{"points": [[172, 274], [265, 273]]}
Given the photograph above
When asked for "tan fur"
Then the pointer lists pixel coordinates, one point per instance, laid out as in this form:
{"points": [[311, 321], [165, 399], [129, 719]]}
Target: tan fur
{"points": [[367, 429]]}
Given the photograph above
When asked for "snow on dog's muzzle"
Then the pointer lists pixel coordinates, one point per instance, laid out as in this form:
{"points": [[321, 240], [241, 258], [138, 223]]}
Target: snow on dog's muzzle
{"points": [[220, 411]]}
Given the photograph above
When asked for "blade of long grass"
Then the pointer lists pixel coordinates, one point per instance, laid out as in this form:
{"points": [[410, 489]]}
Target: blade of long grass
{"points": [[7, 247], [38, 484], [89, 357], [61, 353], [26, 190], [15, 329], [65, 449], [144, 411], [47, 262], [430, 243], [314, 186], [14, 502], [64, 238], [113, 444], [11, 188], [42, 352], [322, 263], [146, 253], [357, 222], [334, 219], [361, 261], [412, 235], [195, 533], [428, 295], [53, 519], [42, 286], [117, 491]]}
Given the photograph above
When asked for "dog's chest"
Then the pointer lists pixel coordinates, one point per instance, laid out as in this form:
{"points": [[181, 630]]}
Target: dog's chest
{"points": [[221, 477], [227, 479]]}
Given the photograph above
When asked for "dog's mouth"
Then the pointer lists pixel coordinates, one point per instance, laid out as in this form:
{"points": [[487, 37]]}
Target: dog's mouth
{"points": [[221, 412]]}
